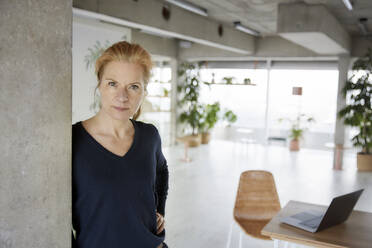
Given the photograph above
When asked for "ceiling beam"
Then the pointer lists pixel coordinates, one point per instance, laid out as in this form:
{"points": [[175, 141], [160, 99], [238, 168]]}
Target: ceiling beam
{"points": [[147, 15], [313, 27]]}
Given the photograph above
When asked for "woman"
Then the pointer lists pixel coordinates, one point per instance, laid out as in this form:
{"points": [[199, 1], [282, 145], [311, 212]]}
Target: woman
{"points": [[120, 176]]}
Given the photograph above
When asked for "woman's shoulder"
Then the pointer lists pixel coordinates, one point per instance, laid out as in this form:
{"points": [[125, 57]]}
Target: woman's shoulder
{"points": [[76, 127], [147, 128], [76, 131]]}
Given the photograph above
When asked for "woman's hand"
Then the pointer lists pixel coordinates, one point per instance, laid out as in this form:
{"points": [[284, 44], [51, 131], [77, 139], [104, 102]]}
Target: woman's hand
{"points": [[160, 223]]}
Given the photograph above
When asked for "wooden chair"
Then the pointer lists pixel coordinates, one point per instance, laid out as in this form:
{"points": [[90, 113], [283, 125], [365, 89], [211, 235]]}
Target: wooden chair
{"points": [[256, 203]]}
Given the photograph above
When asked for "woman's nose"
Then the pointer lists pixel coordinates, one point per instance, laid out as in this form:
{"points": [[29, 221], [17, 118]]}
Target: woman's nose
{"points": [[122, 95]]}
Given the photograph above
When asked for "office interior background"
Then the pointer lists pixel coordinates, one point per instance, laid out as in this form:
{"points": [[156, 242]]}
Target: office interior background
{"points": [[267, 62]]}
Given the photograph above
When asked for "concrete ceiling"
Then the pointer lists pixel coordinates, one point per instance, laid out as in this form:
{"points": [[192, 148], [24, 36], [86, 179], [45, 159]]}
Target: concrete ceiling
{"points": [[261, 15]]}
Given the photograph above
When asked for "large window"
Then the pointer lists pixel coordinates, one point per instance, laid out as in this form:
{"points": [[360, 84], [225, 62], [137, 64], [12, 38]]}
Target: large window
{"points": [[248, 102], [318, 99]]}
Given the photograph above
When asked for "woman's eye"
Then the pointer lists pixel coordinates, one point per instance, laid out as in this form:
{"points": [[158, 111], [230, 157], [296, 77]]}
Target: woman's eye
{"points": [[134, 86], [112, 83]]}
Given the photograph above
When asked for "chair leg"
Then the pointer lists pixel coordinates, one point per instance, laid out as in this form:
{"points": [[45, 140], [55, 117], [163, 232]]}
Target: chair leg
{"points": [[276, 243], [229, 236], [240, 239]]}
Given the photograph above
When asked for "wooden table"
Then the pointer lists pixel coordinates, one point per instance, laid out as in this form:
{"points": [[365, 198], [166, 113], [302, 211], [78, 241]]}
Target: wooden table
{"points": [[356, 232]]}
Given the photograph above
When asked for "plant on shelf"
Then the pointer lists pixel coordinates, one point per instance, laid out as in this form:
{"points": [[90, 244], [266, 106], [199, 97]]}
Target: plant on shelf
{"points": [[228, 80], [191, 111], [247, 81], [165, 92], [208, 121], [297, 129], [358, 112]]}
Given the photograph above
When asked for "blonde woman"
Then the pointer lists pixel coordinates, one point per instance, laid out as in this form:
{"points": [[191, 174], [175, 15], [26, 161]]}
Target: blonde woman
{"points": [[120, 176]]}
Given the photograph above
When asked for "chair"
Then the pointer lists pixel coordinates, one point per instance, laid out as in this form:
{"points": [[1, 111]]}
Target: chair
{"points": [[256, 203]]}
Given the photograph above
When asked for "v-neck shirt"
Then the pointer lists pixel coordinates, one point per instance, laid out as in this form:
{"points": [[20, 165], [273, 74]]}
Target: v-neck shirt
{"points": [[103, 149], [115, 198]]}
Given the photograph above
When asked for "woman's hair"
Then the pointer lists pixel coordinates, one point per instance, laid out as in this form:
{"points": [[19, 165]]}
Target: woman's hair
{"points": [[125, 52]]}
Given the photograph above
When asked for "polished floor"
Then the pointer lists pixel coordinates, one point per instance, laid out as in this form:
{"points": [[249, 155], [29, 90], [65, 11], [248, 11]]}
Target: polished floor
{"points": [[199, 211]]}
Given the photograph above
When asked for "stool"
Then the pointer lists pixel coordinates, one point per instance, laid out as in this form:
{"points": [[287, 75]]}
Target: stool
{"points": [[189, 141]]}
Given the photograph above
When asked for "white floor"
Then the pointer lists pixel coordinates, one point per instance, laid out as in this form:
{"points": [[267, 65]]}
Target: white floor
{"points": [[199, 211]]}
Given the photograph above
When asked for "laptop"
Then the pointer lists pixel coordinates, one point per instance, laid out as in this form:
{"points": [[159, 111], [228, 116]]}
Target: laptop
{"points": [[338, 211]]}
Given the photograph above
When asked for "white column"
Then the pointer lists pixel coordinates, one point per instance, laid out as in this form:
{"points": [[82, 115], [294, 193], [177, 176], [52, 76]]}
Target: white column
{"points": [[268, 67], [339, 138], [174, 94]]}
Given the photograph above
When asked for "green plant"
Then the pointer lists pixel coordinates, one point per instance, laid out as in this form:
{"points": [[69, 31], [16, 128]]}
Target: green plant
{"points": [[192, 118], [165, 92], [188, 88], [228, 80], [230, 117], [297, 129], [209, 116], [247, 81], [358, 113]]}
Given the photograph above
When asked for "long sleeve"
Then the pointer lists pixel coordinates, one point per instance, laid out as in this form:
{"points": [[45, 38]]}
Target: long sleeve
{"points": [[162, 178]]}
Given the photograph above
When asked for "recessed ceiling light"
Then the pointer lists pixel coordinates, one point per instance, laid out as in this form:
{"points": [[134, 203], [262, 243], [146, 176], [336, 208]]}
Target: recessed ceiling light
{"points": [[245, 29], [189, 6], [348, 4]]}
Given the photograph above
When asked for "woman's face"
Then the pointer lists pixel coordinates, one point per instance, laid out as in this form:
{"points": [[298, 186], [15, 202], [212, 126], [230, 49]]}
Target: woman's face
{"points": [[122, 89]]}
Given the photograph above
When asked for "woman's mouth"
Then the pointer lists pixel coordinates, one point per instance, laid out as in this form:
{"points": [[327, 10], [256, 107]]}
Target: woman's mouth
{"points": [[120, 109]]}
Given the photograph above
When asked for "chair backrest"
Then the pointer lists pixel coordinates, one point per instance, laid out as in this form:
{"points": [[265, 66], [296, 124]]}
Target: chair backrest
{"points": [[257, 201]]}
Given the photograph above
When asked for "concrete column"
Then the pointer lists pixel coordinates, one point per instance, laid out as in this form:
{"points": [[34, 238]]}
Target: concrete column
{"points": [[339, 139], [35, 123], [174, 97]]}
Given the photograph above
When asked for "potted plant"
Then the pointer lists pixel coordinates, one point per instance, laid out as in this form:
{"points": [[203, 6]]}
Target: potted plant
{"points": [[247, 81], [228, 80], [165, 92], [297, 130], [191, 111], [229, 117], [358, 112], [208, 121]]}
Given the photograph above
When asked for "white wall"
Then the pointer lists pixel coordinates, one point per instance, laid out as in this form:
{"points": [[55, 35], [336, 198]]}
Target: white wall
{"points": [[85, 34]]}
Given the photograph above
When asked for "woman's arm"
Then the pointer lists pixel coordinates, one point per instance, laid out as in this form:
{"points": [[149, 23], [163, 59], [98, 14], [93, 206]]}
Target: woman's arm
{"points": [[162, 178]]}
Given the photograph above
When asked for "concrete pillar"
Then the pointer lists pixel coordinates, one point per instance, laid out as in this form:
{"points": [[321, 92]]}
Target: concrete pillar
{"points": [[174, 97], [339, 139], [35, 123]]}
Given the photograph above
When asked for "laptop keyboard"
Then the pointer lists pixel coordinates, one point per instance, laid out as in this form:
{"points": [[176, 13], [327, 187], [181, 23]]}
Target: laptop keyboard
{"points": [[304, 216], [312, 223]]}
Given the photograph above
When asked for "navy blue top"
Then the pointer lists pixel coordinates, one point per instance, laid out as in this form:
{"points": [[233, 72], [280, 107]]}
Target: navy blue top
{"points": [[115, 198]]}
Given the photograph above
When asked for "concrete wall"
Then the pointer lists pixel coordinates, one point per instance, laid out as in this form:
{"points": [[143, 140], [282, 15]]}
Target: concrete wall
{"points": [[156, 45], [35, 110], [360, 46]]}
